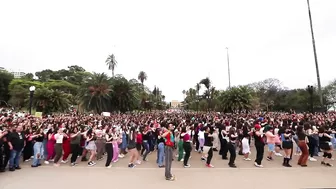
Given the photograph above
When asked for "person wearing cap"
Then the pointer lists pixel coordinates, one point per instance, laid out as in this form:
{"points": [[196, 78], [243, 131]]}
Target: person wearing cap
{"points": [[259, 145]]}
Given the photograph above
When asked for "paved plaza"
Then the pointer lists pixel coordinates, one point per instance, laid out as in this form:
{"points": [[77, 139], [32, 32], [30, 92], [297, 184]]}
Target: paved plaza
{"points": [[147, 175]]}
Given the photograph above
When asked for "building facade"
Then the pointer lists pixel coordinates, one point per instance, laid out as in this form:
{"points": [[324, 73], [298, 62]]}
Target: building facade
{"points": [[175, 104], [18, 74]]}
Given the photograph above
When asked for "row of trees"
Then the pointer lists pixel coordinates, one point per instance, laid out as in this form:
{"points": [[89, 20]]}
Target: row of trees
{"points": [[58, 91], [268, 95]]}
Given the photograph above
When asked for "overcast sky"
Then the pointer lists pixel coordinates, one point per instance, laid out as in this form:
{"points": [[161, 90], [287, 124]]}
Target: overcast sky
{"points": [[176, 42]]}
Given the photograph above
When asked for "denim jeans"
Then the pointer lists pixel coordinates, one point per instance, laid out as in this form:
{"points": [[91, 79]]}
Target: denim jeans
{"points": [[145, 145], [160, 154], [38, 149], [45, 151], [14, 160]]}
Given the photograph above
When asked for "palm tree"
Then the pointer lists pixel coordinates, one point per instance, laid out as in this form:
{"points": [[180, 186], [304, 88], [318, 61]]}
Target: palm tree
{"points": [[207, 83], [95, 93], [123, 95], [111, 62], [142, 77], [236, 99], [198, 88]]}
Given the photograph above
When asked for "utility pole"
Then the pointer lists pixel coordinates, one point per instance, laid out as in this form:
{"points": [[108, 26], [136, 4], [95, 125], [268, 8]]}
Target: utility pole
{"points": [[228, 64], [315, 56]]}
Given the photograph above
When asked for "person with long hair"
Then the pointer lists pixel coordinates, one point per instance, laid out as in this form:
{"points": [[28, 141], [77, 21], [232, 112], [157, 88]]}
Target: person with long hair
{"points": [[302, 144], [91, 146], [145, 142], [325, 146], [246, 147], [186, 145], [233, 136], [50, 146], [66, 146], [287, 145], [115, 146], [28, 149], [223, 141], [75, 139], [160, 149], [259, 145], [38, 147], [132, 148], [108, 147]]}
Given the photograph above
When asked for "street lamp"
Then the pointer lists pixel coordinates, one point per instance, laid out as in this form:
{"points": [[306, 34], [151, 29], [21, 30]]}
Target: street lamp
{"points": [[228, 64], [31, 94], [315, 56]]}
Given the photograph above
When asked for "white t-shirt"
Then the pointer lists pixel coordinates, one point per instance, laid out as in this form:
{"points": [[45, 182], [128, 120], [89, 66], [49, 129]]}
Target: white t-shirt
{"points": [[59, 138], [201, 134]]}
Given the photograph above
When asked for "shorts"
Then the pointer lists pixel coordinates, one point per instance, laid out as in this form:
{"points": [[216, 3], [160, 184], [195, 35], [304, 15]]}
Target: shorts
{"points": [[287, 144], [271, 147], [325, 146]]}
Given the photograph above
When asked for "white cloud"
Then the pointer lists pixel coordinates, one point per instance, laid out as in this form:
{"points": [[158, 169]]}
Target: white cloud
{"points": [[177, 43]]}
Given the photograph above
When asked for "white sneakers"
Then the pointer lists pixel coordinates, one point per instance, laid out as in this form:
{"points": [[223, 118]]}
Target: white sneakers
{"points": [[312, 159]]}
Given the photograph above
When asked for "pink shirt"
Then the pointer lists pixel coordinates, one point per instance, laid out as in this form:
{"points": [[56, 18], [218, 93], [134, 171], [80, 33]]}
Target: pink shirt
{"points": [[270, 137]]}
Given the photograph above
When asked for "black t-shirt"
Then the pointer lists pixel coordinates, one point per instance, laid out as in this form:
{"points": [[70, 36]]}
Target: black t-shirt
{"points": [[17, 140], [39, 138], [207, 140], [301, 136]]}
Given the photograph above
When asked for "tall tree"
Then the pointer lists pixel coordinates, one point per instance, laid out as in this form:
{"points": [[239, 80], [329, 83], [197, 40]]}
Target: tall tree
{"points": [[111, 62], [5, 79], [142, 77]]}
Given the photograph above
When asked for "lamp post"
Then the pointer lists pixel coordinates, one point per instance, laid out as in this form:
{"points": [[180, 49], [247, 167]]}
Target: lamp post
{"points": [[31, 95], [315, 55], [228, 64], [310, 90]]}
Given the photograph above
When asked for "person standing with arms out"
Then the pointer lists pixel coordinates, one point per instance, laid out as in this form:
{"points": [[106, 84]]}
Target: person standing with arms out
{"points": [[16, 142], [259, 145], [169, 147]]}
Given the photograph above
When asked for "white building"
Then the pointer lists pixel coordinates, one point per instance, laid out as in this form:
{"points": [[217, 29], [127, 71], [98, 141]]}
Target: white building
{"points": [[18, 74]]}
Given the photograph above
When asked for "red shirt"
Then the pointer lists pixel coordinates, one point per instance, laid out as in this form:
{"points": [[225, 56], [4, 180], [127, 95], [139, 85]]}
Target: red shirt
{"points": [[169, 140]]}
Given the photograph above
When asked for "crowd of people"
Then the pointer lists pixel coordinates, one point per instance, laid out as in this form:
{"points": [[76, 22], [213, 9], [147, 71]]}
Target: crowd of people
{"points": [[74, 137]]}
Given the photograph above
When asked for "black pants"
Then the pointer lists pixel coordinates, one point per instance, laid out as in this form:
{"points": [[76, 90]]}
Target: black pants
{"points": [[197, 144], [187, 149], [5, 151], [75, 150], [58, 152], [232, 149], [109, 151], [260, 153], [28, 150], [210, 154], [311, 146], [223, 149], [2, 163]]}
